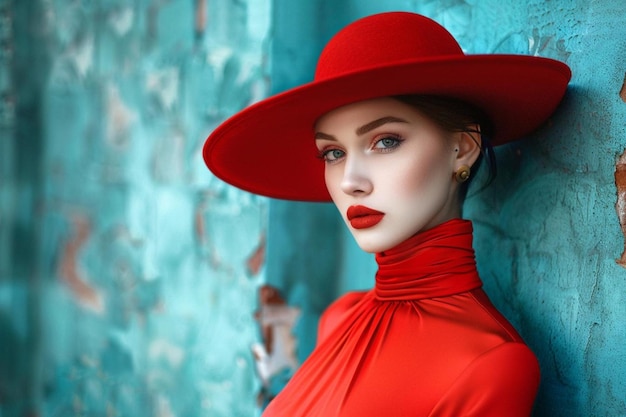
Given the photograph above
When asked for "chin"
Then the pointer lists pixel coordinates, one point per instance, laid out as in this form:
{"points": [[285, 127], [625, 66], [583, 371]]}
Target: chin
{"points": [[370, 248], [374, 244]]}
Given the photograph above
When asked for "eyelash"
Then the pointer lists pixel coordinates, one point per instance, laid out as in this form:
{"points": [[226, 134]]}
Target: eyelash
{"points": [[323, 153], [396, 138]]}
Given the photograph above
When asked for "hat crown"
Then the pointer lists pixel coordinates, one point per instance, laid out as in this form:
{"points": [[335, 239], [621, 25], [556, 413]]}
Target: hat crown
{"points": [[382, 40]]}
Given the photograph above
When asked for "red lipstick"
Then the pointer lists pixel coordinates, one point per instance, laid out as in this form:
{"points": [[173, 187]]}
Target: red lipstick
{"points": [[361, 217]]}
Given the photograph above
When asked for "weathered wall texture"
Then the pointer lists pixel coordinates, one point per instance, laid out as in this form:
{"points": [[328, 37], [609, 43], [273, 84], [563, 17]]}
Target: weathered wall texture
{"points": [[547, 231], [128, 274], [549, 235]]}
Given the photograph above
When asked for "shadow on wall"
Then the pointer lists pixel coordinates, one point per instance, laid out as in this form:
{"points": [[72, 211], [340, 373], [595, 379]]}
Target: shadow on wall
{"points": [[13, 379]]}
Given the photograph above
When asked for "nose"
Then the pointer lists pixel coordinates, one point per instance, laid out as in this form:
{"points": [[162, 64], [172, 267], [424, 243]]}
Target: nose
{"points": [[356, 179]]}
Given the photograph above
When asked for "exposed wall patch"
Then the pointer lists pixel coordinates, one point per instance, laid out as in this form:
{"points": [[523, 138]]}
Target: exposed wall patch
{"points": [[620, 205]]}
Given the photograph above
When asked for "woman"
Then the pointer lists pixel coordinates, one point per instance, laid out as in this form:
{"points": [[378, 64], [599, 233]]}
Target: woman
{"points": [[399, 117]]}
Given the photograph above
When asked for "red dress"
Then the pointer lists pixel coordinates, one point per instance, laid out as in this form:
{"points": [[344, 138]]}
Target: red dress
{"points": [[426, 341]]}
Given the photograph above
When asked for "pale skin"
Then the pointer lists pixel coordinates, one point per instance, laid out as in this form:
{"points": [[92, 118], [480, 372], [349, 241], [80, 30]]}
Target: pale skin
{"points": [[385, 155]]}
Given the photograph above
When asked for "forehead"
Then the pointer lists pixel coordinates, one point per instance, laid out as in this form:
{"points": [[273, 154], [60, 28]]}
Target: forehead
{"points": [[359, 113]]}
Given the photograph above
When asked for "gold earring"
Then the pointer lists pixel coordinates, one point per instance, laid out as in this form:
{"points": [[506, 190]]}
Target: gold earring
{"points": [[462, 174]]}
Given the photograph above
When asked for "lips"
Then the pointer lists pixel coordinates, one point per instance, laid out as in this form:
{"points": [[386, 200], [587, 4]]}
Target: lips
{"points": [[361, 217]]}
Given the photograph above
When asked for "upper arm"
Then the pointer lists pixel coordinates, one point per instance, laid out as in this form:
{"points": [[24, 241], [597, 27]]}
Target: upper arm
{"points": [[501, 382]]}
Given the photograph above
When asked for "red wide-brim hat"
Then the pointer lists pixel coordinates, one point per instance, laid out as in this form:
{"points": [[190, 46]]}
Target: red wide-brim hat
{"points": [[269, 148]]}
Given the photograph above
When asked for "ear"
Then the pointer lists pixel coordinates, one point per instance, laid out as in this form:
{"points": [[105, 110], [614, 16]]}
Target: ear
{"points": [[467, 146]]}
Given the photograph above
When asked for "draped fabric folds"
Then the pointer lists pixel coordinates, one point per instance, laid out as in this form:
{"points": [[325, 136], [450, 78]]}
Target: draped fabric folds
{"points": [[435, 263], [425, 341]]}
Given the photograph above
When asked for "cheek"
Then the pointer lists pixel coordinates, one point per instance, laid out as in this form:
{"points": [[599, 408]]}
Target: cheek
{"points": [[332, 179], [329, 180], [419, 179]]}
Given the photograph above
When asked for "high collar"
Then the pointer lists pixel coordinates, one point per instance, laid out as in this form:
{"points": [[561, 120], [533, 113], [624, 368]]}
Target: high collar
{"points": [[435, 263]]}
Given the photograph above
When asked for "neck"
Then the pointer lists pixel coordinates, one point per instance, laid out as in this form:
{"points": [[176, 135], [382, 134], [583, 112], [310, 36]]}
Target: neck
{"points": [[435, 263]]}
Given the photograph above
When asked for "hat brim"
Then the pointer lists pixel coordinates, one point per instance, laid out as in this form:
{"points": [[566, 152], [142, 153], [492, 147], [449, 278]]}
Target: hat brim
{"points": [[268, 148]]}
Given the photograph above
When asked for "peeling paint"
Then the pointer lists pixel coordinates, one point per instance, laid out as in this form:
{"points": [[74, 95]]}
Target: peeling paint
{"points": [[163, 84], [620, 205], [121, 20], [200, 20], [70, 272], [140, 300], [277, 354], [622, 91], [168, 157], [547, 45], [257, 259], [76, 61], [164, 349], [120, 118]]}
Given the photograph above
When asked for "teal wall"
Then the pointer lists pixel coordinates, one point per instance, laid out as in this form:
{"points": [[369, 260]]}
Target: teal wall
{"points": [[547, 231], [129, 275]]}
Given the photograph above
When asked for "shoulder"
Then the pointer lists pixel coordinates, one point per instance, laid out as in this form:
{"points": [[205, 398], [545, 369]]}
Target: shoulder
{"points": [[502, 381], [336, 311], [510, 363], [508, 331]]}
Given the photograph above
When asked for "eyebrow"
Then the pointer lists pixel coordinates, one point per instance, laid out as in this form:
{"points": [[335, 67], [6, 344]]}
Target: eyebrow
{"points": [[365, 128], [378, 122]]}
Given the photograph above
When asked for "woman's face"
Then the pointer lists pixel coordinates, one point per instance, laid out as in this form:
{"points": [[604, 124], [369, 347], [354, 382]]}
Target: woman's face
{"points": [[389, 170]]}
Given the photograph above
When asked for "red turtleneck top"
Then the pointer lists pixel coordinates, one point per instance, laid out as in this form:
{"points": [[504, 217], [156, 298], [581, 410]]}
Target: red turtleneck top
{"points": [[425, 341]]}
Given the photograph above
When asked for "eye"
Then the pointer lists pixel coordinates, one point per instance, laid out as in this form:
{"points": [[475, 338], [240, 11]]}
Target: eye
{"points": [[332, 155], [387, 142]]}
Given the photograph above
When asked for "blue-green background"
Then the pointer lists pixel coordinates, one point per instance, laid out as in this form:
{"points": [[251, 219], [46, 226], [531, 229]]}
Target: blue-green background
{"points": [[126, 287]]}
